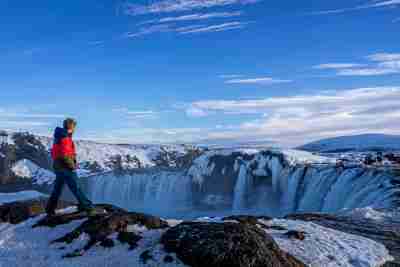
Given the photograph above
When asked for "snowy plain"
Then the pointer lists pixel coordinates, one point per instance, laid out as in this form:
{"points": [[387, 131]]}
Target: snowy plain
{"points": [[22, 246]]}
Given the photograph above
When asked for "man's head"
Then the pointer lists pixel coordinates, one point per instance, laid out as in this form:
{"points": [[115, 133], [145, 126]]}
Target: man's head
{"points": [[70, 125]]}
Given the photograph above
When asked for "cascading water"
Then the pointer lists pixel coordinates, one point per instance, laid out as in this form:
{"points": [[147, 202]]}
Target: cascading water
{"points": [[260, 183], [241, 187], [158, 192]]}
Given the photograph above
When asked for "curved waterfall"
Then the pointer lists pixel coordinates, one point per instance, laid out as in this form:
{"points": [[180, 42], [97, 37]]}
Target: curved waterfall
{"points": [[265, 182], [156, 192]]}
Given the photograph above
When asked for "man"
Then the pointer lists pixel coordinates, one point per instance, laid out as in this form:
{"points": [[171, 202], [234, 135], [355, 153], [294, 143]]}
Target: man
{"points": [[65, 165]]}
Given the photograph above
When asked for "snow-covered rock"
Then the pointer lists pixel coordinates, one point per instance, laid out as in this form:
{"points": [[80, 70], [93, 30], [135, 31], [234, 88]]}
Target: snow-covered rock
{"points": [[29, 170], [327, 247]]}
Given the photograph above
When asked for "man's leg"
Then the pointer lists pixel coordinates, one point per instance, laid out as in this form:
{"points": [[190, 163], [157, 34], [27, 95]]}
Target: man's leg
{"points": [[55, 195], [71, 180]]}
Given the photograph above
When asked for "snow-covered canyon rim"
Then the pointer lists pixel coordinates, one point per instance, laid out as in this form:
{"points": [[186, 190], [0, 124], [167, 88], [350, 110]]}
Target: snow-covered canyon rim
{"points": [[271, 182]]}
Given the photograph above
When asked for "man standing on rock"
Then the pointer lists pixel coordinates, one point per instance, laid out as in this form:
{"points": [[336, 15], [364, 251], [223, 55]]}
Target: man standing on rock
{"points": [[65, 164]]}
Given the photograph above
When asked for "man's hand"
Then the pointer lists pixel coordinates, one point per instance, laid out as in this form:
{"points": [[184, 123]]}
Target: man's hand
{"points": [[70, 163]]}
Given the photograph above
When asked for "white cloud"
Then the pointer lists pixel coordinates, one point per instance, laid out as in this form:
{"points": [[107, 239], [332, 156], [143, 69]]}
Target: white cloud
{"points": [[160, 28], [379, 64], [374, 4], [23, 125], [133, 114], [391, 64], [148, 30], [384, 57], [165, 6], [214, 28], [263, 80], [299, 119], [195, 112], [150, 135], [337, 66], [25, 115], [367, 72], [230, 76], [192, 17]]}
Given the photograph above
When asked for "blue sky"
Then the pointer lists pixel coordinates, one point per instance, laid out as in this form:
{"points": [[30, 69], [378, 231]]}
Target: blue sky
{"points": [[286, 72]]}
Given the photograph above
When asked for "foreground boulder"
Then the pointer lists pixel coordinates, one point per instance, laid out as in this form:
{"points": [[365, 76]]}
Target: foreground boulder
{"points": [[113, 221], [227, 244]]}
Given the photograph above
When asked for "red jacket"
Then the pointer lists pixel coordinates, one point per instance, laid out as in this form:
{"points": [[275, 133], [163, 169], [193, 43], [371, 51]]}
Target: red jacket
{"points": [[63, 151]]}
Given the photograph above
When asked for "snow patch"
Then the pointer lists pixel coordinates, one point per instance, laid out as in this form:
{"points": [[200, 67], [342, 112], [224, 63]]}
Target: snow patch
{"points": [[326, 247], [27, 169]]}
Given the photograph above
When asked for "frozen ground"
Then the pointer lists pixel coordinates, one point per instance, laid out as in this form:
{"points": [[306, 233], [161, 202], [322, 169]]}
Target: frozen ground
{"points": [[329, 248], [22, 246]]}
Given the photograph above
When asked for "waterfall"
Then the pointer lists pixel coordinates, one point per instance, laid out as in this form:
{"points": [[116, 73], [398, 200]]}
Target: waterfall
{"points": [[233, 183], [162, 193], [241, 187]]}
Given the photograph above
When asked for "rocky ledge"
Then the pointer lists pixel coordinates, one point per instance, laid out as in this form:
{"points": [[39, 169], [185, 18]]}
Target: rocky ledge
{"points": [[384, 231]]}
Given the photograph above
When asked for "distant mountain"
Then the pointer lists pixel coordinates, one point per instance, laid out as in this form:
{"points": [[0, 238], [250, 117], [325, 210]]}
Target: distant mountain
{"points": [[364, 142]]}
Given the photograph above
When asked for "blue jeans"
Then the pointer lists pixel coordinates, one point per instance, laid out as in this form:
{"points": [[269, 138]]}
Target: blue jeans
{"points": [[70, 178]]}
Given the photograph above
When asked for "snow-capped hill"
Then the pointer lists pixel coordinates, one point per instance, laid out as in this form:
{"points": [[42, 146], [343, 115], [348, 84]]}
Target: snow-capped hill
{"points": [[104, 157], [365, 142], [24, 153], [29, 170]]}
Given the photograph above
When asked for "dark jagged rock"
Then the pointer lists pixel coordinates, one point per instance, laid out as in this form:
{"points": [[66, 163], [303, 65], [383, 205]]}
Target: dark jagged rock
{"points": [[384, 232], [129, 238], [16, 212], [107, 243], [226, 244], [296, 234], [101, 226], [145, 256], [168, 259]]}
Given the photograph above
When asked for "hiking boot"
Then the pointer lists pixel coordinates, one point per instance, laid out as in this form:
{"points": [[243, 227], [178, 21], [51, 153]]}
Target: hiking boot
{"points": [[50, 213]]}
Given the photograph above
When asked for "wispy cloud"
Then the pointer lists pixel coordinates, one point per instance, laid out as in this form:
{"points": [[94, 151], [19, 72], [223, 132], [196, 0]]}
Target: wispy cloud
{"points": [[165, 6], [263, 80], [337, 66], [381, 57], [95, 43], [367, 72], [378, 64], [22, 124], [190, 29], [373, 4], [298, 119], [134, 114], [30, 115], [149, 30], [214, 28], [230, 76], [193, 17]]}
